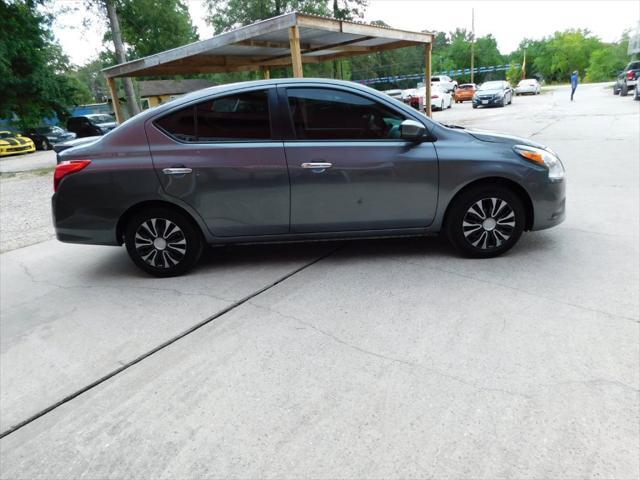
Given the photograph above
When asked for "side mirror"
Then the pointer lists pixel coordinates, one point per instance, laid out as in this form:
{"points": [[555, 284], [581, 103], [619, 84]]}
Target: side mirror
{"points": [[412, 130]]}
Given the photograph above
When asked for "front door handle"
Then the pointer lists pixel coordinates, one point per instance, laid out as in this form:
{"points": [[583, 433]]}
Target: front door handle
{"points": [[176, 171], [317, 167]]}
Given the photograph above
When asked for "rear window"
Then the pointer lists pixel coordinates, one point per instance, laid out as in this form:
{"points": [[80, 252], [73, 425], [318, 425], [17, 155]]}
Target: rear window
{"points": [[634, 66], [243, 116]]}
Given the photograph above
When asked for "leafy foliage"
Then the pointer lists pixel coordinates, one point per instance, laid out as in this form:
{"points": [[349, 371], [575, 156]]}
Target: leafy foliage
{"points": [[34, 78], [152, 26], [229, 14]]}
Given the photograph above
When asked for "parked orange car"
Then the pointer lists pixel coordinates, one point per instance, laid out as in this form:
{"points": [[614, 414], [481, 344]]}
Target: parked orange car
{"points": [[464, 92]]}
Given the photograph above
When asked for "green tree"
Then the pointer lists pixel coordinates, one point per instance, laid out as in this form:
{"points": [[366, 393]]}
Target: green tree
{"points": [[226, 15], [606, 62], [34, 78], [152, 26], [565, 52]]}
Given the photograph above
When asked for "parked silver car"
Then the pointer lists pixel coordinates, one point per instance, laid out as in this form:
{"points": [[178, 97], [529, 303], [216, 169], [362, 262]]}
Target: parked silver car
{"points": [[296, 159]]}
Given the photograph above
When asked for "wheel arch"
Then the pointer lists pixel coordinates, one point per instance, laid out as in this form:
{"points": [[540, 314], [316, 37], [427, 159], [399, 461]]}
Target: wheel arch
{"points": [[502, 181], [145, 205]]}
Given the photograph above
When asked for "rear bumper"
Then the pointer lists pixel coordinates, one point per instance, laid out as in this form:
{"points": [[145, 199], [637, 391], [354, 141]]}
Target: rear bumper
{"points": [[73, 226]]}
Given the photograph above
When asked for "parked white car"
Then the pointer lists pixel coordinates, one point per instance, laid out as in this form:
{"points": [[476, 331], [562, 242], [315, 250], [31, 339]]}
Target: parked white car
{"points": [[395, 93], [444, 82], [528, 85], [440, 99]]}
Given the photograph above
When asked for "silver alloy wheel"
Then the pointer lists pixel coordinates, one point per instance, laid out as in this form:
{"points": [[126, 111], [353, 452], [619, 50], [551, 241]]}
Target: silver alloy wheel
{"points": [[489, 223], [160, 243]]}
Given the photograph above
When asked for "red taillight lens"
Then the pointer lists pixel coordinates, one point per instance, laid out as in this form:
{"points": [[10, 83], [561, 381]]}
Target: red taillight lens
{"points": [[631, 75], [65, 168], [434, 96]]}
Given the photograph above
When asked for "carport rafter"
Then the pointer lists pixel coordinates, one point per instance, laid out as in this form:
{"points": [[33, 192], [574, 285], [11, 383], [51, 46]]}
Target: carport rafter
{"points": [[292, 39]]}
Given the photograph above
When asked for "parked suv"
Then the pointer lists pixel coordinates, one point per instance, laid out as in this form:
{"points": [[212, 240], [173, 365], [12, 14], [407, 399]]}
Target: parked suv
{"points": [[627, 79], [90, 125], [299, 159], [444, 83]]}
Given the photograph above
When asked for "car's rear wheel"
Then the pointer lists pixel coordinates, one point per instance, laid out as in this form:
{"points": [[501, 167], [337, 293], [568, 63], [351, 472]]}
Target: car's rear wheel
{"points": [[485, 221], [624, 90], [44, 145], [163, 242]]}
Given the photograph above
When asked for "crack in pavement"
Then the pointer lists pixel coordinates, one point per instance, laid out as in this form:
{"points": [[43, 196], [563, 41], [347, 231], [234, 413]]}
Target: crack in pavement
{"points": [[32, 278], [528, 396], [519, 290], [163, 345], [392, 359]]}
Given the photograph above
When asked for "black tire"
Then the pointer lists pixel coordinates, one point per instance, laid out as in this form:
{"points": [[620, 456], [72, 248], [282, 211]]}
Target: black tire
{"points": [[474, 105], [624, 90], [616, 90], [169, 259], [44, 145], [494, 237]]}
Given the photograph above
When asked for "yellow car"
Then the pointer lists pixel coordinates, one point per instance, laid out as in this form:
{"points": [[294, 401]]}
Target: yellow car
{"points": [[14, 143]]}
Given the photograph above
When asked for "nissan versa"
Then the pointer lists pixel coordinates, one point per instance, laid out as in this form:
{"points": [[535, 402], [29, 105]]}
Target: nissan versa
{"points": [[284, 160]]}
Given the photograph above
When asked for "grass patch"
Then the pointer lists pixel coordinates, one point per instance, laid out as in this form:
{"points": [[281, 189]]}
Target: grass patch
{"points": [[38, 172]]}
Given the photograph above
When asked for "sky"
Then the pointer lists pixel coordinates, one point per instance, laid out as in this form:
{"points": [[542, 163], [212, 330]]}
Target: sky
{"points": [[509, 21]]}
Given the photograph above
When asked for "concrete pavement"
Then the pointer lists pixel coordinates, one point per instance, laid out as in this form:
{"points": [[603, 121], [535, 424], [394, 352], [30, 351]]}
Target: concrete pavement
{"points": [[384, 359]]}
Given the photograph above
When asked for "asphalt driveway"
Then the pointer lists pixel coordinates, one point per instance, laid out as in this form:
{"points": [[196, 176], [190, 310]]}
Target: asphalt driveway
{"points": [[364, 359]]}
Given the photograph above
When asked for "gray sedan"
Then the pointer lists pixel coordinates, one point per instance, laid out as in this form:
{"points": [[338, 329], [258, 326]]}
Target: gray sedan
{"points": [[298, 159]]}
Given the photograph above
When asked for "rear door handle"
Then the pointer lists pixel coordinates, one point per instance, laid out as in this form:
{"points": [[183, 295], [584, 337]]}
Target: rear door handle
{"points": [[317, 167], [176, 171]]}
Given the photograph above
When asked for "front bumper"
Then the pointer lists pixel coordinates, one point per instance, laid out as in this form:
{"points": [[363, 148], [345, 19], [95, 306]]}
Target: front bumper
{"points": [[549, 204], [490, 102], [17, 150]]}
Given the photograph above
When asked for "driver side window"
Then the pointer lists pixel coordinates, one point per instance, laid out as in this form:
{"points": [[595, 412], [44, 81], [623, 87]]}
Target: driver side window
{"points": [[327, 114]]}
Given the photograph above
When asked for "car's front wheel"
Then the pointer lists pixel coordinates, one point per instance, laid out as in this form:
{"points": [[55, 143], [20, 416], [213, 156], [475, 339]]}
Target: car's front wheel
{"points": [[163, 242], [485, 221]]}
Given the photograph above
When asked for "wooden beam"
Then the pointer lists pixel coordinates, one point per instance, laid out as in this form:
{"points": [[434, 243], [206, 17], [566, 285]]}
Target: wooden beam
{"points": [[296, 57], [427, 79], [373, 49], [115, 100], [234, 36], [266, 73]]}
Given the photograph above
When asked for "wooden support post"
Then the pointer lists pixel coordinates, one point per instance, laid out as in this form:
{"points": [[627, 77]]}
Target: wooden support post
{"points": [[115, 100], [427, 79], [266, 73], [296, 56]]}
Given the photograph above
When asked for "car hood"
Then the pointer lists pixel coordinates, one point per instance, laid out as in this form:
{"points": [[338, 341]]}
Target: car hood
{"points": [[109, 125], [500, 138]]}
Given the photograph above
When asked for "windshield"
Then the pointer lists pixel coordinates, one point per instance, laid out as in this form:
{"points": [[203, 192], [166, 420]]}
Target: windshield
{"points": [[6, 134], [491, 86], [101, 118]]}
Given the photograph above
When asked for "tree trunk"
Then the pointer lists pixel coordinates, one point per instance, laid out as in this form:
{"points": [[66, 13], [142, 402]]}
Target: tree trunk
{"points": [[129, 92]]}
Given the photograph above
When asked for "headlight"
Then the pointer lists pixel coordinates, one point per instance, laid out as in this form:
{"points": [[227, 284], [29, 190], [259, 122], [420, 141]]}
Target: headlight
{"points": [[547, 158]]}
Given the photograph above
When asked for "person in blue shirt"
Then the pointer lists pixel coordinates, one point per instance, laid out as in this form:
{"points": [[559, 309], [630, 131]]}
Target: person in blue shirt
{"points": [[574, 83]]}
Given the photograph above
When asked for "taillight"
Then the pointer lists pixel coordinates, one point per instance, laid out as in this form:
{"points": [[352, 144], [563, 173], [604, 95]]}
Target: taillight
{"points": [[434, 96], [66, 168], [631, 75]]}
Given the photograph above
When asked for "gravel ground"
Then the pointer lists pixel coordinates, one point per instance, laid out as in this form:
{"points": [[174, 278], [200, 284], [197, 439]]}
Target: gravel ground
{"points": [[25, 211]]}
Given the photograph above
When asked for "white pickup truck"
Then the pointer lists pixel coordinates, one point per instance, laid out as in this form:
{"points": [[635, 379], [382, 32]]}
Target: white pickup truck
{"points": [[444, 82]]}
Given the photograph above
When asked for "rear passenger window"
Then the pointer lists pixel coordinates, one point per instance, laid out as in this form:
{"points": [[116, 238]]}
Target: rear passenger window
{"points": [[180, 124], [243, 116]]}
